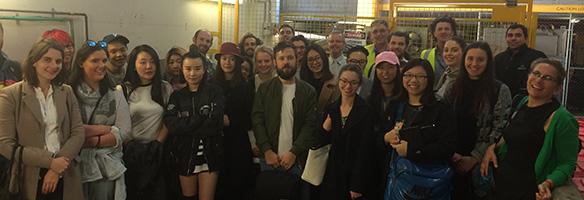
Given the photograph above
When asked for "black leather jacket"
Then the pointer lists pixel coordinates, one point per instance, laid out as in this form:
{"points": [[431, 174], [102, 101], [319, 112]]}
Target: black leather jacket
{"points": [[194, 116]]}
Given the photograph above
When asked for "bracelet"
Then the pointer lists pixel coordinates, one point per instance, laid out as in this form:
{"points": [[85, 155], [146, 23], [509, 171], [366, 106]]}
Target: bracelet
{"points": [[98, 140]]}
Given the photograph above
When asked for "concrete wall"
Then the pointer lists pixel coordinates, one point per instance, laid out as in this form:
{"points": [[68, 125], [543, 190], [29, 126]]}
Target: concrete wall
{"points": [[162, 24]]}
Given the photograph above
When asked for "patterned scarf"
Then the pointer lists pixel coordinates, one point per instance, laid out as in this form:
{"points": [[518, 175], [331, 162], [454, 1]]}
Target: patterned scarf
{"points": [[104, 113]]}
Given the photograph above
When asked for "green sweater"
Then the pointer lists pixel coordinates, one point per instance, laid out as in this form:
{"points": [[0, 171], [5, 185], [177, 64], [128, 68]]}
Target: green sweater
{"points": [[266, 117], [557, 158]]}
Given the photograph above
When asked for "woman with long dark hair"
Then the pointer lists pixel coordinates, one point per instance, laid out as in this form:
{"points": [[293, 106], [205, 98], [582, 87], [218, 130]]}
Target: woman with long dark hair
{"points": [[194, 118], [481, 104], [147, 96], [107, 123], [316, 71], [42, 102], [423, 139], [384, 98], [235, 177]]}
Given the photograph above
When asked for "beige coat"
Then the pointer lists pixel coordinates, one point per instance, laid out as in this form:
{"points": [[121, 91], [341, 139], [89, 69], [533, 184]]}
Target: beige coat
{"points": [[31, 133]]}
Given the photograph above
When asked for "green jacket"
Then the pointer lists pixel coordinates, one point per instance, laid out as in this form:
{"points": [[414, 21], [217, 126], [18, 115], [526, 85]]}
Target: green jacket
{"points": [[266, 117], [557, 158]]}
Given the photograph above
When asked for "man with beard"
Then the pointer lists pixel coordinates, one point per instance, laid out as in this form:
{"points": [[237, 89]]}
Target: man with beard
{"points": [[512, 65], [202, 42], [398, 43], [117, 52], [284, 116], [248, 44]]}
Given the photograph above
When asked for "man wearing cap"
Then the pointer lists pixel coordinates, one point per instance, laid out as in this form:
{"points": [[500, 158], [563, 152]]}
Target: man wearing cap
{"points": [[10, 71], [202, 41], [336, 44], [117, 52]]}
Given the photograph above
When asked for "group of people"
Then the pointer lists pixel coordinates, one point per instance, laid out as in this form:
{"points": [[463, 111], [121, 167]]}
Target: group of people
{"points": [[100, 123]]}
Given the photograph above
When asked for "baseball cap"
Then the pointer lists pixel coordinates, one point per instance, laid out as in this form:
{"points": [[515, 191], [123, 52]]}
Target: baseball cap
{"points": [[387, 56], [114, 37]]}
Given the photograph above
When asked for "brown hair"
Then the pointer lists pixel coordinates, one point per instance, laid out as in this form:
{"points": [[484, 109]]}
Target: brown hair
{"points": [[38, 50]]}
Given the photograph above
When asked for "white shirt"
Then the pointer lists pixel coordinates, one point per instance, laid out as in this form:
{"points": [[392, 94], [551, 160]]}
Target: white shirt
{"points": [[49, 112], [286, 119], [145, 113], [336, 64]]}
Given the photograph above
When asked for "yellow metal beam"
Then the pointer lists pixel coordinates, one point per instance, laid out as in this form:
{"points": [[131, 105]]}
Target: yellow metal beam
{"points": [[220, 22], [236, 21]]}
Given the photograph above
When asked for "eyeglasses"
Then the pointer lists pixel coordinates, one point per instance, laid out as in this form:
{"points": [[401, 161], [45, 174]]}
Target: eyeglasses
{"points": [[538, 74], [92, 43], [345, 82], [355, 61], [314, 59], [409, 76]]}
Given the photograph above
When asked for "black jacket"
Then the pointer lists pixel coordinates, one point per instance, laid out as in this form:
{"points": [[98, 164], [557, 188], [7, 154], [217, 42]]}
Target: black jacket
{"points": [[431, 135], [513, 69], [349, 162], [192, 116]]}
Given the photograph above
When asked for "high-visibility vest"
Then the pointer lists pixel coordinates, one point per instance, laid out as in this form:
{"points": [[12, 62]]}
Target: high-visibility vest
{"points": [[370, 60], [430, 56]]}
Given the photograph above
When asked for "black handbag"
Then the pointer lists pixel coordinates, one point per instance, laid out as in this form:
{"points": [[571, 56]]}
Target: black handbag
{"points": [[11, 177]]}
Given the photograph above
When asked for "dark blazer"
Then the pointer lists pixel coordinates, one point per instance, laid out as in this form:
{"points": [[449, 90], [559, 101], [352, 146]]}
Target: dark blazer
{"points": [[348, 165]]}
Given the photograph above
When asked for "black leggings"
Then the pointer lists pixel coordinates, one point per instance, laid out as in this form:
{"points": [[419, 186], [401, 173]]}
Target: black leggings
{"points": [[56, 195]]}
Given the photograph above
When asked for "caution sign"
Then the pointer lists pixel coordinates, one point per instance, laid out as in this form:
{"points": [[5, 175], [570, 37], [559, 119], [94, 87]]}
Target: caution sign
{"points": [[354, 38]]}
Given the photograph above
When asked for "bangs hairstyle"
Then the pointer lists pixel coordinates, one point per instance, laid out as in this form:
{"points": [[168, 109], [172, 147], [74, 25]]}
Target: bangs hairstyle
{"points": [[428, 96], [195, 54], [36, 53], [132, 77], [306, 74], [486, 83], [77, 73], [376, 96]]}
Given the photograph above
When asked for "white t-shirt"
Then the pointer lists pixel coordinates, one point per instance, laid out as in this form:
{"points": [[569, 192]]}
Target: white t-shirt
{"points": [[145, 113], [286, 119]]}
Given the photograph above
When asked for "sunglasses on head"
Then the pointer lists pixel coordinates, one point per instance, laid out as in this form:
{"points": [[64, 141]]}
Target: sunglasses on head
{"points": [[101, 44]]}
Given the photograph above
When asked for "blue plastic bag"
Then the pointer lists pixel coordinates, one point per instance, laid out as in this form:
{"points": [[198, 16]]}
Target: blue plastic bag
{"points": [[408, 180]]}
